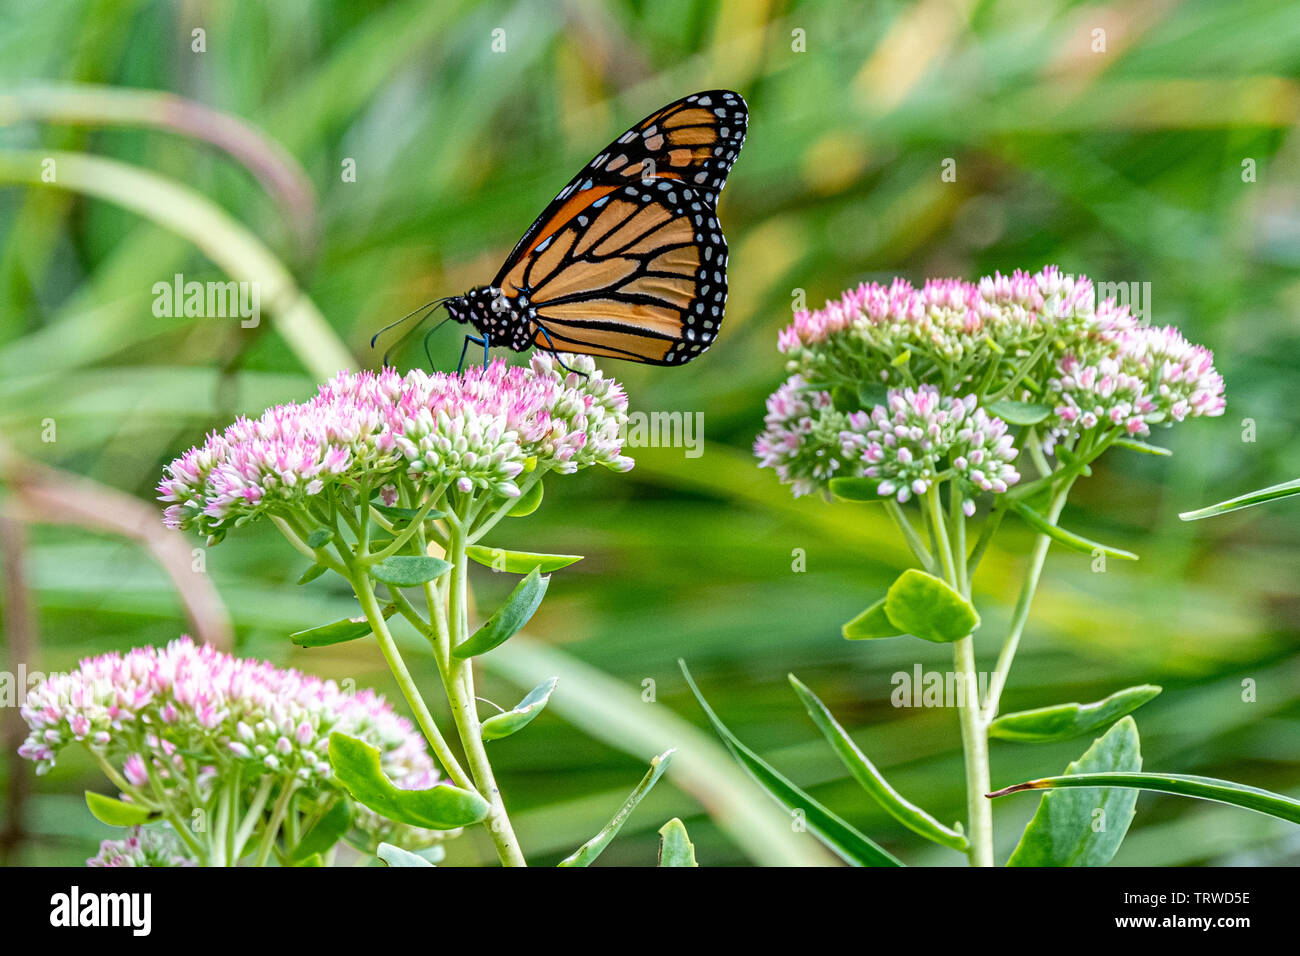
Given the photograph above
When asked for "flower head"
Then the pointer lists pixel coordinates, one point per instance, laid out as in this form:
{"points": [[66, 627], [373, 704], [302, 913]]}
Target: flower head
{"points": [[142, 846], [1043, 339], [919, 436], [476, 431], [184, 718]]}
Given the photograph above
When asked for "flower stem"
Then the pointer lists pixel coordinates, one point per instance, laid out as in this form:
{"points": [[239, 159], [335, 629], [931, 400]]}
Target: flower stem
{"points": [[1021, 614], [375, 616], [460, 692], [974, 741]]}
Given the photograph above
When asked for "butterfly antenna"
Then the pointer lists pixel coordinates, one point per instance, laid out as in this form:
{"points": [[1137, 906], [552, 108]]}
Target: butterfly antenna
{"points": [[428, 335], [423, 312]]}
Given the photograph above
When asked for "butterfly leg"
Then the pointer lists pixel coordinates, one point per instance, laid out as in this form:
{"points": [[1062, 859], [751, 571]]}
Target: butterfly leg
{"points": [[555, 352], [465, 348]]}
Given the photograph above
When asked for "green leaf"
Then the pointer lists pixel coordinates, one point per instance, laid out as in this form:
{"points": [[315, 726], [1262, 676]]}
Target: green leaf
{"points": [[348, 629], [1020, 413], [1063, 721], [856, 489], [324, 833], [409, 570], [675, 847], [842, 839], [1185, 785], [921, 604], [312, 573], [1085, 827], [1284, 490], [1132, 444], [523, 602], [406, 514], [528, 502], [845, 398], [396, 856], [519, 562], [503, 725], [444, 807], [116, 813], [585, 854], [319, 538], [1075, 542], [871, 624], [865, 773]]}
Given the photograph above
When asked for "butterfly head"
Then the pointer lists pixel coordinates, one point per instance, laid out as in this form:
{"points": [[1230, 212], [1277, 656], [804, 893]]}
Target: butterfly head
{"points": [[494, 315]]}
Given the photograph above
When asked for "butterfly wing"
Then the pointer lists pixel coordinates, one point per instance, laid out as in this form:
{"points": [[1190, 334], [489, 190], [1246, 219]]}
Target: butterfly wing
{"points": [[629, 260]]}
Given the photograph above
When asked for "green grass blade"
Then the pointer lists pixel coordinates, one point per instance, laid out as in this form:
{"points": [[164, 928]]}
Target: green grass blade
{"points": [[586, 854], [1284, 490], [865, 773], [1203, 788], [850, 845]]}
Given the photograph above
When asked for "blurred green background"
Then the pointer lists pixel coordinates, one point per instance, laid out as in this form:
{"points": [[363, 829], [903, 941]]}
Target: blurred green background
{"points": [[1128, 164]]}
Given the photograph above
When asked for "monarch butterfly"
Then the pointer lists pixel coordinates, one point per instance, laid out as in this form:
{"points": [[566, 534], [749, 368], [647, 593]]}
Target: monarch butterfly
{"points": [[628, 261]]}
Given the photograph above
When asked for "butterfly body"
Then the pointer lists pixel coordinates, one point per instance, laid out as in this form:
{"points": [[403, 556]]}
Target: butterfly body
{"points": [[629, 260]]}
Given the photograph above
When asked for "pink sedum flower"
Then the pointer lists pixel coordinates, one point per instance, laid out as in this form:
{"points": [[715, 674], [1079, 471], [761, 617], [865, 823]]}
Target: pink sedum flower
{"points": [[186, 717], [142, 846], [476, 431], [919, 436]]}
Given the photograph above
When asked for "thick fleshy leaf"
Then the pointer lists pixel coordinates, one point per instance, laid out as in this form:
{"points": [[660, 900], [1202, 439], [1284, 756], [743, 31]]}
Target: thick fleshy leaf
{"points": [[312, 573], [1085, 827], [405, 514], [529, 501], [1075, 542], [587, 853], [518, 717], [675, 847], [116, 813], [519, 562], [396, 856], [856, 489], [324, 833], [409, 570], [356, 766], [1063, 721], [921, 604], [1185, 785], [1020, 413], [865, 773], [839, 837], [1273, 492], [339, 632], [871, 624], [519, 608], [1132, 444]]}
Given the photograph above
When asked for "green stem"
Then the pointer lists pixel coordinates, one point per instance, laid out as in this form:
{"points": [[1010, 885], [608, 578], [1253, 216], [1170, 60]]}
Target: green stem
{"points": [[913, 540], [1021, 614], [251, 818], [400, 541], [975, 746], [273, 825], [460, 692], [375, 616]]}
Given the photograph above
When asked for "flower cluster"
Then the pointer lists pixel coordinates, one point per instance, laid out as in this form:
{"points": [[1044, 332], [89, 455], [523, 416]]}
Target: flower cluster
{"points": [[475, 431], [915, 438], [143, 846], [919, 436], [184, 719], [1041, 339]]}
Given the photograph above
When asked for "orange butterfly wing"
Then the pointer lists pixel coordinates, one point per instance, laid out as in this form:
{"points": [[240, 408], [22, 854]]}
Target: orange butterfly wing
{"points": [[629, 260]]}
